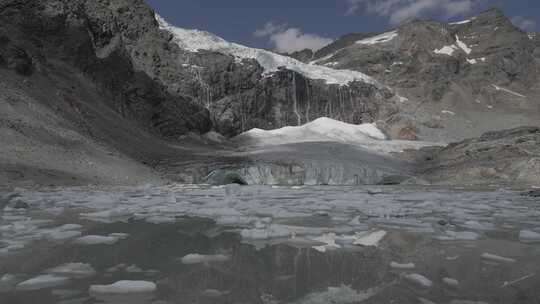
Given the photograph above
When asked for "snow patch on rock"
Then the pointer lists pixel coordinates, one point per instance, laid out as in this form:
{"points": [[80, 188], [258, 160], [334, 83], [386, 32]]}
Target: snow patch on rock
{"points": [[462, 45], [382, 38], [446, 50], [367, 136]]}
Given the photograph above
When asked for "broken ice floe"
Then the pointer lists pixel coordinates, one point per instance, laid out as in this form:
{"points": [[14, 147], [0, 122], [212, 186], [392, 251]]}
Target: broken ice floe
{"points": [[75, 270], [529, 236], [419, 280], [450, 282], [402, 265], [195, 258], [124, 287], [257, 211], [497, 258], [342, 294], [96, 240], [458, 236], [43, 281]]}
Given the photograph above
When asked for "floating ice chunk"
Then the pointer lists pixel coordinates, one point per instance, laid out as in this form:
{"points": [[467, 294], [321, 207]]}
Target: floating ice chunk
{"points": [[96, 240], [478, 225], [7, 278], [160, 219], [343, 294], [124, 287], [425, 301], [467, 302], [370, 239], [329, 240], [523, 278], [528, 236], [496, 258], [107, 215], [119, 235], [78, 270], [458, 236], [214, 293], [382, 38], [42, 281], [195, 258], [67, 227], [63, 235], [134, 269], [450, 282], [402, 266], [508, 91], [420, 280]]}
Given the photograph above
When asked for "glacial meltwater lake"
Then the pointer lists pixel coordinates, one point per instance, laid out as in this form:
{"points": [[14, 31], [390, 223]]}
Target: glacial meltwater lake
{"points": [[270, 245]]}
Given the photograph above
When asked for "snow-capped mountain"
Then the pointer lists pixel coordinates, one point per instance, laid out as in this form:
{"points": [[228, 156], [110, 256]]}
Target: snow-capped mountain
{"points": [[106, 92], [195, 40], [458, 80]]}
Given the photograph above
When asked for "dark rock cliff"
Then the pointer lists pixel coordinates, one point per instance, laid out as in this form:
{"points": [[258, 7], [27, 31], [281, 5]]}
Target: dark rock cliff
{"points": [[118, 45]]}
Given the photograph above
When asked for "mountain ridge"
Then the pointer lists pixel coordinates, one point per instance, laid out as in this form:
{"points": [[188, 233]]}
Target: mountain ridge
{"points": [[124, 102]]}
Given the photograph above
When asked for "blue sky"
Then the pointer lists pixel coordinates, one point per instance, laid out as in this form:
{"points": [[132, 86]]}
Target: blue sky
{"points": [[287, 25]]}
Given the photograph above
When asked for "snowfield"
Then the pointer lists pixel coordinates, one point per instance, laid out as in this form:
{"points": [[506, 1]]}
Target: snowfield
{"points": [[195, 40], [325, 129]]}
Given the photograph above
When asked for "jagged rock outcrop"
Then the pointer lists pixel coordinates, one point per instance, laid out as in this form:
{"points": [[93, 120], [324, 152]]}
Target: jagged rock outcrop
{"points": [[458, 80], [501, 157], [110, 81], [120, 45], [96, 38], [305, 55]]}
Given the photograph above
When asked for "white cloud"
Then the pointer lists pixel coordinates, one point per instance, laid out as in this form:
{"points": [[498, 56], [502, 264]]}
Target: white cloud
{"points": [[398, 11], [269, 29], [524, 23], [287, 40]]}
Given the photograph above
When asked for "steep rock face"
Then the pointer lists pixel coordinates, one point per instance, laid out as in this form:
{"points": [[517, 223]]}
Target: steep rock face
{"points": [[342, 42], [120, 95], [94, 37], [458, 80], [134, 61], [240, 94], [509, 156]]}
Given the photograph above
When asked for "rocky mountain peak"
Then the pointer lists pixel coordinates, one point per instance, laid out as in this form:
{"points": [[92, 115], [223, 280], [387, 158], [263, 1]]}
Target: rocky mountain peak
{"points": [[445, 72]]}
